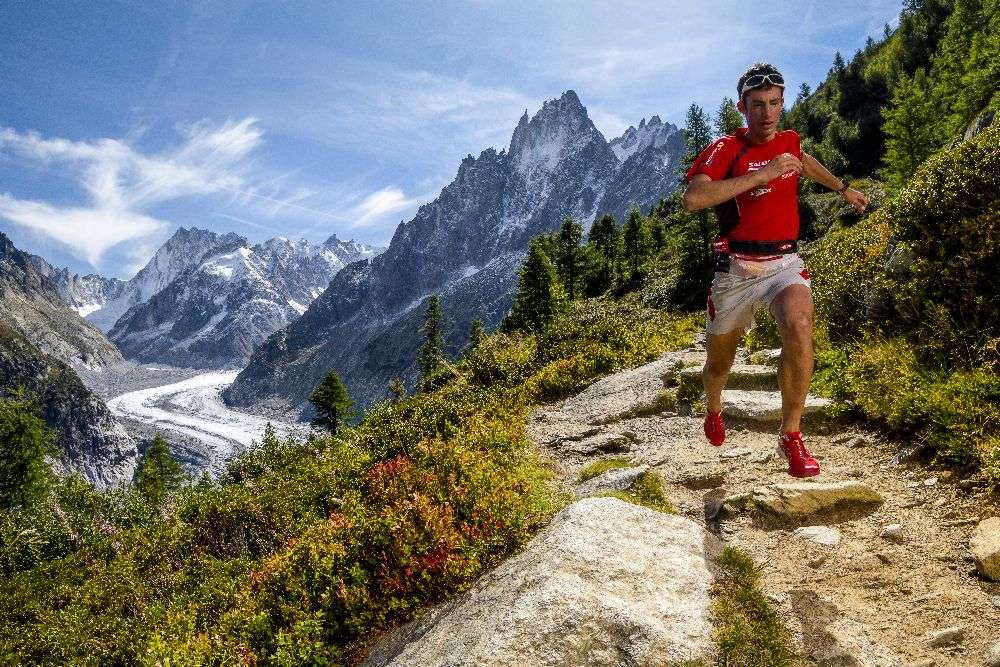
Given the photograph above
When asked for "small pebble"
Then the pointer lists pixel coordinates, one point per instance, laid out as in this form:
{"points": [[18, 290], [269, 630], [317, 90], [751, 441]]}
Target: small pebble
{"points": [[930, 481], [854, 443], [944, 637], [894, 533], [912, 485], [996, 601]]}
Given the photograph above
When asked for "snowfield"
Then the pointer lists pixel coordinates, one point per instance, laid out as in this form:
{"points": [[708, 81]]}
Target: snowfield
{"points": [[194, 408]]}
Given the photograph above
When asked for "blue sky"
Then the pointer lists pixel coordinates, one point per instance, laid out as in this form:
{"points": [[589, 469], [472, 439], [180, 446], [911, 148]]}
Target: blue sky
{"points": [[125, 120]]}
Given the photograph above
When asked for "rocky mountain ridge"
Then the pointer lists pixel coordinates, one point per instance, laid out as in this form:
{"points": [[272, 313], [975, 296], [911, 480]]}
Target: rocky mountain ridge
{"points": [[215, 311], [466, 246], [31, 304]]}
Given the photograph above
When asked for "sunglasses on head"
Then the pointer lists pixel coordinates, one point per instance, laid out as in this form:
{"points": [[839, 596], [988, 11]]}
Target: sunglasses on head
{"points": [[758, 80]]}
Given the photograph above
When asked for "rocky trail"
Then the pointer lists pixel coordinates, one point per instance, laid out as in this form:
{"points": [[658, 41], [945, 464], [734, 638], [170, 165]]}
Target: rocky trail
{"points": [[880, 561], [869, 563]]}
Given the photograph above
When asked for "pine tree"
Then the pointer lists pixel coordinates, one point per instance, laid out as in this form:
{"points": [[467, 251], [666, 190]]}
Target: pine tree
{"points": [[431, 352], [539, 295], [331, 402], [910, 127], [605, 238], [697, 134], [570, 235], [159, 473], [637, 242], [25, 440], [476, 335], [728, 119]]}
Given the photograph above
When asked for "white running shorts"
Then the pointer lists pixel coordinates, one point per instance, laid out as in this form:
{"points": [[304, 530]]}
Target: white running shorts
{"points": [[733, 296]]}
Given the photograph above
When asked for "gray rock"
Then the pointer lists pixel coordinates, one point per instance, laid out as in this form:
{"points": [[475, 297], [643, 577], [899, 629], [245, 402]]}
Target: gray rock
{"points": [[855, 442], [604, 443], [985, 547], [616, 479], [995, 600], [762, 406], [944, 637], [741, 376], [823, 535], [606, 583], [992, 658], [762, 456], [628, 392], [710, 478], [735, 453], [894, 533], [802, 501]]}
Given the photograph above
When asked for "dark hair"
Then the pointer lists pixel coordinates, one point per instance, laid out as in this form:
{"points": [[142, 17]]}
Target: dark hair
{"points": [[756, 68]]}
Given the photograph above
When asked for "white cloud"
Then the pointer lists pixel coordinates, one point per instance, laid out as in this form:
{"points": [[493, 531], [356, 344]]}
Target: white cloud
{"points": [[90, 232], [120, 183], [379, 204]]}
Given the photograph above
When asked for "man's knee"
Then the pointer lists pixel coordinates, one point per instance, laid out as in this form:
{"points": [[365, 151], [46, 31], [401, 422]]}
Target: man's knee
{"points": [[797, 325]]}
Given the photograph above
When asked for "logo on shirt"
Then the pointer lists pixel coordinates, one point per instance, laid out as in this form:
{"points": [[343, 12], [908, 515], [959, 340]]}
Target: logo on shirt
{"points": [[759, 192], [715, 152]]}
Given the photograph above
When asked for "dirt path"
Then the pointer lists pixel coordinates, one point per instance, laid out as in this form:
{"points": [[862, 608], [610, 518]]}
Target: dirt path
{"points": [[868, 600]]}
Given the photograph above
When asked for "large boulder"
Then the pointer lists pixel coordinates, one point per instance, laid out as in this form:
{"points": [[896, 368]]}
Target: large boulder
{"points": [[606, 583], [985, 547]]}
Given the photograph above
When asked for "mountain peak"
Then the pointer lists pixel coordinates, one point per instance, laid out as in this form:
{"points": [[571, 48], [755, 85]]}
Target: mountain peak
{"points": [[560, 124]]}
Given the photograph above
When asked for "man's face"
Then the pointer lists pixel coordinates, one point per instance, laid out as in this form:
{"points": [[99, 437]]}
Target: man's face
{"points": [[762, 108]]}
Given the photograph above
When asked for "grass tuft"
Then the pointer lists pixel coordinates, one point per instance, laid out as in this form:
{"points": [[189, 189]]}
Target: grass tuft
{"points": [[748, 629]]}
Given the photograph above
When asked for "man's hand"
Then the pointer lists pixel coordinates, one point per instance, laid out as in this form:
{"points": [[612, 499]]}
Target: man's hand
{"points": [[782, 164], [856, 199]]}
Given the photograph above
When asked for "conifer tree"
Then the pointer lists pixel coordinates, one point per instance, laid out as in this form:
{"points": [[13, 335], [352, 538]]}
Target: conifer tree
{"points": [[25, 440], [697, 134], [159, 473], [728, 119], [569, 258], [910, 127], [476, 335], [637, 242], [431, 352], [331, 402], [605, 238], [539, 295]]}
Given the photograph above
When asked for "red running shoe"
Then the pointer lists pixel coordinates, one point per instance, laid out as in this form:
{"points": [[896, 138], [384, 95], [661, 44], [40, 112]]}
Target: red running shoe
{"points": [[715, 430], [800, 462]]}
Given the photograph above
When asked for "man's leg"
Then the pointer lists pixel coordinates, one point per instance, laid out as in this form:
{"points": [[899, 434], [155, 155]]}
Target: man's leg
{"points": [[721, 350], [793, 311]]}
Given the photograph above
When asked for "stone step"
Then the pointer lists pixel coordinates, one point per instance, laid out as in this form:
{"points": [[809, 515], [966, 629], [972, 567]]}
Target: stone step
{"points": [[741, 376], [763, 406]]}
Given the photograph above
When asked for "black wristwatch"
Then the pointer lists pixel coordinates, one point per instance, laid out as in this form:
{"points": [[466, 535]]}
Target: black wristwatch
{"points": [[843, 188]]}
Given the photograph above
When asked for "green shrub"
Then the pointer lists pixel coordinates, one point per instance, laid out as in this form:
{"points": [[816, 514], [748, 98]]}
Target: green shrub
{"points": [[600, 467], [647, 490]]}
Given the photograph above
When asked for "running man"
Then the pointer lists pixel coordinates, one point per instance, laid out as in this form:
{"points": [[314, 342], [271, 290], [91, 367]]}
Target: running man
{"points": [[751, 178]]}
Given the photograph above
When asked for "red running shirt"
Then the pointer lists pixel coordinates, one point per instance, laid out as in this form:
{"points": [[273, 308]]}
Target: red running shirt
{"points": [[768, 213]]}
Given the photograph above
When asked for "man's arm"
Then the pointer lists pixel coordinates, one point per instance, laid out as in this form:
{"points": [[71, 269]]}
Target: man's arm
{"points": [[703, 192], [814, 170]]}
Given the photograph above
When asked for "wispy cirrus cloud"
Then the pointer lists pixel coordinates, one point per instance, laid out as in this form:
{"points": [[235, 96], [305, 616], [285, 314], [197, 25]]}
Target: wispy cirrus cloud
{"points": [[120, 184]]}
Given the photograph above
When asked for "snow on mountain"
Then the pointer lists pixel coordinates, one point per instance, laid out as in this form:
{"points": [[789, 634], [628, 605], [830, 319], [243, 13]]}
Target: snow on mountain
{"points": [[655, 133], [466, 246], [215, 312], [179, 254]]}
